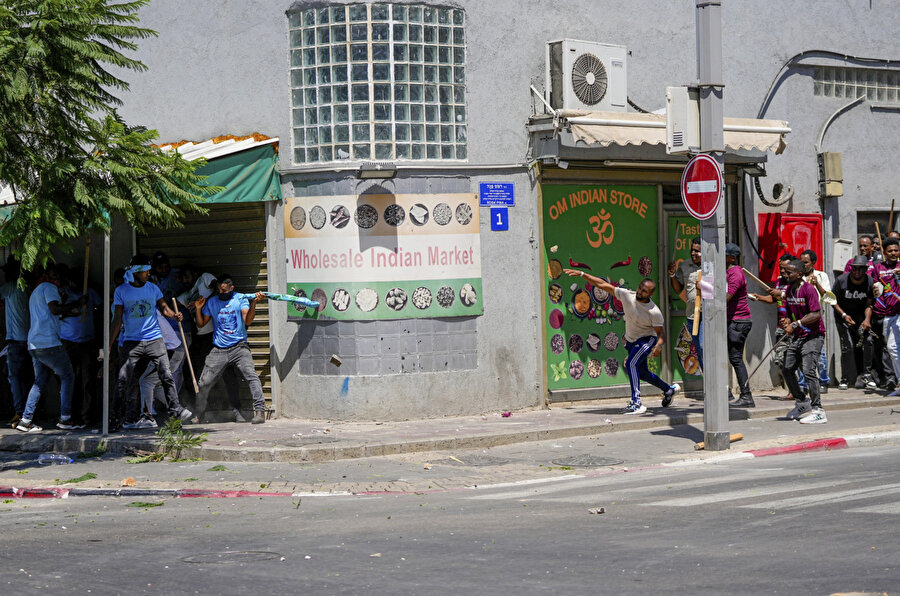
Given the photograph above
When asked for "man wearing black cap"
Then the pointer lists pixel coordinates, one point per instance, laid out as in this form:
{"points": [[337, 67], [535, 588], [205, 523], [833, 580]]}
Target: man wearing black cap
{"points": [[739, 323], [853, 312]]}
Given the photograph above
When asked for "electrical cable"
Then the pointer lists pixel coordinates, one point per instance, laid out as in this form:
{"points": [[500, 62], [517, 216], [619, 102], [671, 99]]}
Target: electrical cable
{"points": [[770, 264], [637, 107], [820, 53]]}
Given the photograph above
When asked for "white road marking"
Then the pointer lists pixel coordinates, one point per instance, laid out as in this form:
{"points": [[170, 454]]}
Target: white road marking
{"points": [[746, 493], [828, 497]]}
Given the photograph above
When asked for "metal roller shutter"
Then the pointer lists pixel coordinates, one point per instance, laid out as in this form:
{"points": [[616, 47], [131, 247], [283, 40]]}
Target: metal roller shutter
{"points": [[230, 238]]}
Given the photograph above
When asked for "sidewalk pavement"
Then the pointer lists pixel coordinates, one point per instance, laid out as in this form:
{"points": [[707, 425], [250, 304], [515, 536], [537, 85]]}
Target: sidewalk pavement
{"points": [[308, 441]]}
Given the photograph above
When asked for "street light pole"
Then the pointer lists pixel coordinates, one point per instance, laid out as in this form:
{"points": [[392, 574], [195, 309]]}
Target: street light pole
{"points": [[712, 234]]}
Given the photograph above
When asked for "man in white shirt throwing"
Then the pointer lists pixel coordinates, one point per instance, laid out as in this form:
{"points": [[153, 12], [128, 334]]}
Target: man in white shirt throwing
{"points": [[644, 337]]}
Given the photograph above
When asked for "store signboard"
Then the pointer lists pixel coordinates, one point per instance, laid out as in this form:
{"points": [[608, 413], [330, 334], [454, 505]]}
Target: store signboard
{"points": [[610, 231], [365, 257]]}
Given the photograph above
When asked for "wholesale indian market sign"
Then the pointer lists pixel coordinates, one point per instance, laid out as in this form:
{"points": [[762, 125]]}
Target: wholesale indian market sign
{"points": [[365, 257]]}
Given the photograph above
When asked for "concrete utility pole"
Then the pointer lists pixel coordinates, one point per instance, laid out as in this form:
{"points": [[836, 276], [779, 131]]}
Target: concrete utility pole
{"points": [[712, 235]]}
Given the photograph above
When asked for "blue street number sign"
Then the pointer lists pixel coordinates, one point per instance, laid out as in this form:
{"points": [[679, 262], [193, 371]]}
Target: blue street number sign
{"points": [[499, 219], [497, 194]]}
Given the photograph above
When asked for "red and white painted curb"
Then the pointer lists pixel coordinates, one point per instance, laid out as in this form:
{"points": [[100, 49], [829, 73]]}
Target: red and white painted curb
{"points": [[860, 440]]}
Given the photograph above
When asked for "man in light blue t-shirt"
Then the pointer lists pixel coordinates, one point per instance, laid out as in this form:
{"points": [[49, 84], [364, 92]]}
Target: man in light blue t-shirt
{"points": [[47, 352], [136, 302], [15, 304], [230, 314]]}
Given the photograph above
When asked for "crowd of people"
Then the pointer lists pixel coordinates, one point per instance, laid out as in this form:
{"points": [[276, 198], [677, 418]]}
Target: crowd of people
{"points": [[866, 303], [161, 319]]}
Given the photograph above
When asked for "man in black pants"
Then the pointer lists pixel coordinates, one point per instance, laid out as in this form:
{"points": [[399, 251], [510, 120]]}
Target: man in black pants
{"points": [[853, 311], [739, 323]]}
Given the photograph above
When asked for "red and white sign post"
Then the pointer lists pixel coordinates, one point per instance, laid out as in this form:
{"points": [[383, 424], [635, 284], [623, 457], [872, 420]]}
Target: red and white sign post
{"points": [[701, 186]]}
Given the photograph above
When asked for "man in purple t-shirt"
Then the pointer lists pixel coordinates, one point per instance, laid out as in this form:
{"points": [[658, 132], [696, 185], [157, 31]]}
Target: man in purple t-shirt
{"points": [[887, 306], [806, 329], [739, 323], [866, 247]]}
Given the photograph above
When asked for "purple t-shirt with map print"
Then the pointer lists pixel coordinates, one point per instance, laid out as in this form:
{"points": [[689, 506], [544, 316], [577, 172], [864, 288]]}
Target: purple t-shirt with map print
{"points": [[801, 302]]}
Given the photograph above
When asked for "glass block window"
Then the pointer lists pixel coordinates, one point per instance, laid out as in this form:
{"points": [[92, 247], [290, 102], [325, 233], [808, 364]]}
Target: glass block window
{"points": [[378, 82], [876, 85]]}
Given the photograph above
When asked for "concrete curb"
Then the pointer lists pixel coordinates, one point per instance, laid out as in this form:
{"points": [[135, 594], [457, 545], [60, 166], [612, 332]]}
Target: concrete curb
{"points": [[850, 441], [491, 436]]}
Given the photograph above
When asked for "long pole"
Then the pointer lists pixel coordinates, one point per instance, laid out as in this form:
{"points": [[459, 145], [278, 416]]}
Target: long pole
{"points": [[106, 357], [712, 231], [184, 343]]}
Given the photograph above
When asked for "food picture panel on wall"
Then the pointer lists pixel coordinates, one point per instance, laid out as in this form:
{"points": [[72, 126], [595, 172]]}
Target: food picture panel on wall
{"points": [[608, 231], [384, 256]]}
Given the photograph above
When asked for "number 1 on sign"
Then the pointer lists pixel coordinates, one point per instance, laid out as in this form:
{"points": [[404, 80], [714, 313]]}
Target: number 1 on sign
{"points": [[499, 219]]}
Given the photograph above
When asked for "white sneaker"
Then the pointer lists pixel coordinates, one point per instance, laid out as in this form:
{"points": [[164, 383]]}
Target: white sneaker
{"points": [[843, 387], [634, 408], [817, 416], [800, 410], [146, 423]]}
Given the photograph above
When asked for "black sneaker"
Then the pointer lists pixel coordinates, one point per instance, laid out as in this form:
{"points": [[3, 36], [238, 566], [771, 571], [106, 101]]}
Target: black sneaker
{"points": [[744, 402], [669, 395]]}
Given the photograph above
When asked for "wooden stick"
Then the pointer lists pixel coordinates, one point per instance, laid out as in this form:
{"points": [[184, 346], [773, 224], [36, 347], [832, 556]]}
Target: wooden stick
{"points": [[186, 353], [87, 262], [757, 280], [731, 439], [766, 357], [697, 298], [878, 232]]}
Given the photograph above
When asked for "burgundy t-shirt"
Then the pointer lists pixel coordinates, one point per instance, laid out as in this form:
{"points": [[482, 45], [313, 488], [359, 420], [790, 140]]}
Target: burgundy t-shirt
{"points": [[738, 308], [801, 302], [888, 304]]}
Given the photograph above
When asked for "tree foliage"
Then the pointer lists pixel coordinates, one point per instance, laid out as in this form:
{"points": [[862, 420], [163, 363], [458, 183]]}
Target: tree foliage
{"points": [[69, 157]]}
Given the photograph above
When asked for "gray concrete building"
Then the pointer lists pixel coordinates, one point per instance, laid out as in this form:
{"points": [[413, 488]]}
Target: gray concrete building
{"points": [[431, 110]]}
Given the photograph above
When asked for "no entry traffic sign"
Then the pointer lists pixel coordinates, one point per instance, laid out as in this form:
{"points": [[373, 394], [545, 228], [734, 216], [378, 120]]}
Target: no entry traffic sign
{"points": [[701, 186]]}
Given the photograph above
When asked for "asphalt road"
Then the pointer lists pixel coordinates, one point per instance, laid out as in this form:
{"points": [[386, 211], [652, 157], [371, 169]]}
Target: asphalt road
{"points": [[815, 523]]}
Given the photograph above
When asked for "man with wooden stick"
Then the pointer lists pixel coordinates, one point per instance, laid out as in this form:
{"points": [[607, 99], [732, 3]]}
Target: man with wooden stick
{"points": [[231, 314], [887, 306], [819, 280], [775, 296], [684, 278], [803, 323], [136, 302], [739, 323]]}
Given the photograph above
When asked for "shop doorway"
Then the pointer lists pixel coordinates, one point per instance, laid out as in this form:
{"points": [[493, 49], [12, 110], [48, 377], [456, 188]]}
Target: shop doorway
{"points": [[683, 362]]}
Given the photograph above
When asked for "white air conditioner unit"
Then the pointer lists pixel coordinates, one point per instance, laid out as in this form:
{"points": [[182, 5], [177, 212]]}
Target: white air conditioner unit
{"points": [[586, 75]]}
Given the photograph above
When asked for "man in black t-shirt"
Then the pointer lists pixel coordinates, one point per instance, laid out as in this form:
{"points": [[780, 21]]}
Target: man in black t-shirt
{"points": [[854, 302]]}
